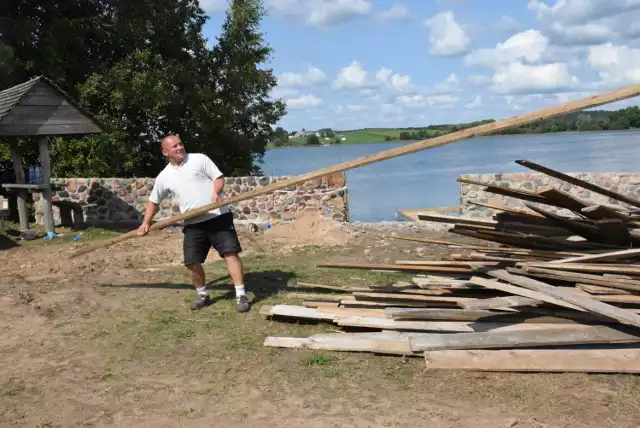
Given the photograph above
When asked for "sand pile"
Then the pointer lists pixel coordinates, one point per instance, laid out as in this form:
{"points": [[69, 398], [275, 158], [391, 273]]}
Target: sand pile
{"points": [[309, 228]]}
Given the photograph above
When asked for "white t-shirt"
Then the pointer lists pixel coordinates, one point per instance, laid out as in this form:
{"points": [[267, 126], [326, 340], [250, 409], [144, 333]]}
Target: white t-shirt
{"points": [[192, 183]]}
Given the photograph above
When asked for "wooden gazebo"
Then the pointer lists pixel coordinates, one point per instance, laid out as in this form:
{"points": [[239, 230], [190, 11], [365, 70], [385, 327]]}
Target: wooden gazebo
{"points": [[39, 109]]}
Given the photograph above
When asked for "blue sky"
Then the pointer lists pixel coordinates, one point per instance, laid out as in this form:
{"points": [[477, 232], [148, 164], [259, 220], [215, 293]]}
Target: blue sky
{"points": [[349, 64]]}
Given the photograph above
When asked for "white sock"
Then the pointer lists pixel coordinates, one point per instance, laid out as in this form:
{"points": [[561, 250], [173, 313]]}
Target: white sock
{"points": [[202, 291], [240, 290]]}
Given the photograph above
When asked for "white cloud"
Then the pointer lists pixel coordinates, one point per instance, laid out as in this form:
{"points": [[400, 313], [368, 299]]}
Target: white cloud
{"points": [[584, 34], [587, 22], [352, 76], [397, 12], [616, 65], [516, 77], [477, 102], [411, 101], [320, 13], [528, 45], [447, 37], [312, 77], [580, 11], [449, 85], [212, 6], [443, 101], [304, 102]]}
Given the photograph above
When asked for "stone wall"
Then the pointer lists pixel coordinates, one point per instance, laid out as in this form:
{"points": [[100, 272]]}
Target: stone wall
{"points": [[122, 200], [627, 184]]}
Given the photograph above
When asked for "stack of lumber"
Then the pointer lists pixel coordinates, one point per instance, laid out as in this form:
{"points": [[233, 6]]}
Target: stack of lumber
{"points": [[559, 293]]}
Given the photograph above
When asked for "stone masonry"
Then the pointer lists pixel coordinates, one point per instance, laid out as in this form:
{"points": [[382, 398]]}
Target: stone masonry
{"points": [[122, 200], [627, 184]]}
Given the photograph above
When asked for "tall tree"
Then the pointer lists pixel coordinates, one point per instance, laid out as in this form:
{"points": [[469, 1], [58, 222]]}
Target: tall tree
{"points": [[244, 87], [145, 69]]}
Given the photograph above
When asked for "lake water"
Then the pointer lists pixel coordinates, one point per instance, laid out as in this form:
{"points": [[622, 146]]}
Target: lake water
{"points": [[428, 178]]}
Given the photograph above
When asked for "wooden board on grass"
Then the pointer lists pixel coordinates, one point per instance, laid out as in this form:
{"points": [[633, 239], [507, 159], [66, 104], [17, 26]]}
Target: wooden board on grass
{"points": [[537, 360], [590, 335]]}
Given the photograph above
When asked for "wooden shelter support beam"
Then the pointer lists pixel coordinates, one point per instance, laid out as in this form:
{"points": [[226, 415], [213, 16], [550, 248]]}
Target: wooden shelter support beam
{"points": [[21, 195], [47, 206]]}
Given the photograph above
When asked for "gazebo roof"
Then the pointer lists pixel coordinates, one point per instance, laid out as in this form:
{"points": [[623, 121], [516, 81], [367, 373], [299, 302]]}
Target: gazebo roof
{"points": [[38, 107]]}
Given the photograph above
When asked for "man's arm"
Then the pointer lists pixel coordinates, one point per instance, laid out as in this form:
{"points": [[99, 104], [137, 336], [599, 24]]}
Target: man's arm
{"points": [[153, 206], [218, 186], [212, 170], [150, 212]]}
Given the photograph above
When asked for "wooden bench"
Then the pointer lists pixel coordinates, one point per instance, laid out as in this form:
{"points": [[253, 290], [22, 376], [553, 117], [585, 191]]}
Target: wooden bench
{"points": [[76, 220]]}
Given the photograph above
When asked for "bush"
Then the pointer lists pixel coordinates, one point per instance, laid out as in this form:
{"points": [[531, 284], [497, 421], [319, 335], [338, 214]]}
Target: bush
{"points": [[313, 140]]}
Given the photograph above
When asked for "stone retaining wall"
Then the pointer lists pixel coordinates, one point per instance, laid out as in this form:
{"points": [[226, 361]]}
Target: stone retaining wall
{"points": [[122, 200], [627, 184]]}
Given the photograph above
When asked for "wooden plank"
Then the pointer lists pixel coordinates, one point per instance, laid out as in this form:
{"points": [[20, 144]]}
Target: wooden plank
{"points": [[574, 277], [386, 344], [437, 218], [504, 250], [563, 199], [621, 315], [292, 311], [499, 303], [615, 231], [409, 297], [520, 291], [444, 263], [578, 182], [361, 312], [392, 267], [45, 162], [505, 209], [412, 314], [596, 289], [443, 326], [602, 211], [506, 191], [584, 267], [395, 303], [587, 231], [537, 360], [591, 258], [321, 286], [585, 335], [559, 110], [21, 196]]}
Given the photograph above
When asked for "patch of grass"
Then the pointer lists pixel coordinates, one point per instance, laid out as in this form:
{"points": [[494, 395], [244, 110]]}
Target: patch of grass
{"points": [[318, 360], [64, 235]]}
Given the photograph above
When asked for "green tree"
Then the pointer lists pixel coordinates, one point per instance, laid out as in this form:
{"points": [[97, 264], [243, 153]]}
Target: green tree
{"points": [[145, 69], [313, 140]]}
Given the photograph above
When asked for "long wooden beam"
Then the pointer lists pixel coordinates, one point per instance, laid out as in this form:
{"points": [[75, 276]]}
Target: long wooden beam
{"points": [[546, 113]]}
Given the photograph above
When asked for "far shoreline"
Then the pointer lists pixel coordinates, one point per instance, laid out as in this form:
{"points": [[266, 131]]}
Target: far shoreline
{"points": [[345, 143]]}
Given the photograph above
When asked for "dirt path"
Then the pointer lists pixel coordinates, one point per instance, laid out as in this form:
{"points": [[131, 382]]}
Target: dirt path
{"points": [[108, 340]]}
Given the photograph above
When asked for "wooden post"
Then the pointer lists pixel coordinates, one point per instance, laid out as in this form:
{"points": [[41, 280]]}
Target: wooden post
{"points": [[47, 207], [21, 195]]}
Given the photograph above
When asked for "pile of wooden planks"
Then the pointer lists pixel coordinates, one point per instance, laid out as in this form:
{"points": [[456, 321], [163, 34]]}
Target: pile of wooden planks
{"points": [[558, 293]]}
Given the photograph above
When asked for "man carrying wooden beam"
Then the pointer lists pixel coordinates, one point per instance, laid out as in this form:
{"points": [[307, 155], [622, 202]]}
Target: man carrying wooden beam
{"points": [[197, 182]]}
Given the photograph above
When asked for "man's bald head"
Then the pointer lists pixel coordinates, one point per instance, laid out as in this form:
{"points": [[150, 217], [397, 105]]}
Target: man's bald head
{"points": [[173, 149], [169, 139]]}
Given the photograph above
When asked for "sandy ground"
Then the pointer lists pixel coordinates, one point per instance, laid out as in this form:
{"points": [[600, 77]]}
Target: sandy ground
{"points": [[108, 340]]}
